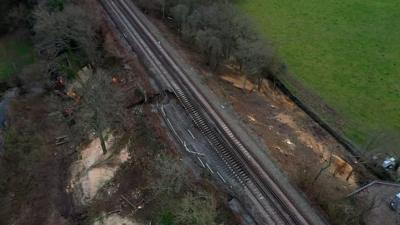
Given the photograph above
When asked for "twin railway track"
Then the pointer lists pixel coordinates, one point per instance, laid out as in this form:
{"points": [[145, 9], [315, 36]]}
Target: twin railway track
{"points": [[274, 205]]}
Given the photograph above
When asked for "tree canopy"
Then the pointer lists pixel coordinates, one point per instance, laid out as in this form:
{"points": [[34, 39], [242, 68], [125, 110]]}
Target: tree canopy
{"points": [[219, 32]]}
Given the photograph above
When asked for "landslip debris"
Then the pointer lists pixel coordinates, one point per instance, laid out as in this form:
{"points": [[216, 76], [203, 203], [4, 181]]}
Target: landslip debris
{"points": [[94, 170]]}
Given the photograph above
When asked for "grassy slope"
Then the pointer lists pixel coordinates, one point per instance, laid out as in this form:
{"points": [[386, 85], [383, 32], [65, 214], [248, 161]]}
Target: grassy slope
{"points": [[346, 51], [14, 53]]}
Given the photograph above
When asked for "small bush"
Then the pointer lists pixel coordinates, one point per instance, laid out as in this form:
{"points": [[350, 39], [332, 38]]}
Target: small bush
{"points": [[167, 218]]}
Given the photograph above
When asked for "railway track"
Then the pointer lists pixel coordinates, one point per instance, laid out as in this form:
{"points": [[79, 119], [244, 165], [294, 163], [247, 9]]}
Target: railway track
{"points": [[264, 192]]}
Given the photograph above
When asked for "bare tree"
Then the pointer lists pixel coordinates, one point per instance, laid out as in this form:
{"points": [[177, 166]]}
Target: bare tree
{"points": [[218, 31], [71, 29], [180, 12], [211, 46], [99, 107], [253, 57]]}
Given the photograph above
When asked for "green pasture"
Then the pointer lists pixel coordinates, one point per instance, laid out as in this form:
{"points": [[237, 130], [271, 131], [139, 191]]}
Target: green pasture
{"points": [[347, 52]]}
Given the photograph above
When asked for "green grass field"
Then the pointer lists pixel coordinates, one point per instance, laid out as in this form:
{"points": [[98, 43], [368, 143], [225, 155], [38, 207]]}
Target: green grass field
{"points": [[348, 52], [14, 54]]}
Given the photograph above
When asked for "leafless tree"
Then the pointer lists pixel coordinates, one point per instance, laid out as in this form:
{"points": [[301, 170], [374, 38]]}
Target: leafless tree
{"points": [[253, 58], [71, 29], [211, 46], [99, 108], [180, 12]]}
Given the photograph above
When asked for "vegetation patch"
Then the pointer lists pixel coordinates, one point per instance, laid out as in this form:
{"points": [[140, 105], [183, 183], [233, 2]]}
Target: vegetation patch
{"points": [[15, 53], [346, 52]]}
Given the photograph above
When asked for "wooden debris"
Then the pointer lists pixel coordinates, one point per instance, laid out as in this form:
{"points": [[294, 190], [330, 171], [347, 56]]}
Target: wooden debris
{"points": [[130, 203], [62, 140]]}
